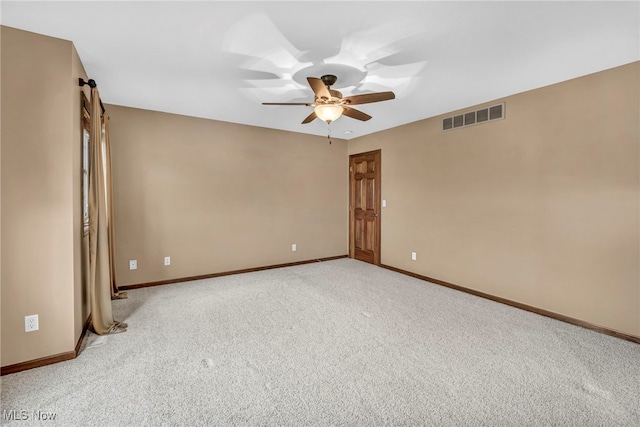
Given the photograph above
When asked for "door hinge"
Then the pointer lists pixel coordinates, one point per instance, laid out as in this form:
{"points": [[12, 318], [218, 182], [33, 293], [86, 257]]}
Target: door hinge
{"points": [[350, 169]]}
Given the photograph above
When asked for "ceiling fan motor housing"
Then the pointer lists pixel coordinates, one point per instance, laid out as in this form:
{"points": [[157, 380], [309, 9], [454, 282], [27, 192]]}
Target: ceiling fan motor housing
{"points": [[335, 96]]}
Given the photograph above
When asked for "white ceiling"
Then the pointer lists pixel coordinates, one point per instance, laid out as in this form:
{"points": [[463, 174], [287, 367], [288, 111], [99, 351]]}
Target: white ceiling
{"points": [[220, 60]]}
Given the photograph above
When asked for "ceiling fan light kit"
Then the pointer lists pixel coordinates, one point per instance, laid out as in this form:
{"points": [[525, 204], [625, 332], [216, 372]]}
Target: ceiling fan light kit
{"points": [[328, 112], [329, 104]]}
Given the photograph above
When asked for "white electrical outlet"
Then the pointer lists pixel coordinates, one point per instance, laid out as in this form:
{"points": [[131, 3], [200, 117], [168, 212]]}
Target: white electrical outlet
{"points": [[294, 247], [384, 203], [167, 260], [414, 256], [133, 264], [31, 323]]}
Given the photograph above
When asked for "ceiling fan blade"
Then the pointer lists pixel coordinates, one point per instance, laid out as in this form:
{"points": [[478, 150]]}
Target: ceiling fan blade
{"points": [[286, 103], [319, 88], [369, 97], [309, 118], [355, 114]]}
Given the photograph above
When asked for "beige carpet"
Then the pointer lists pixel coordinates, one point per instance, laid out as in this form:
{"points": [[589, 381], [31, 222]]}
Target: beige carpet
{"points": [[333, 343]]}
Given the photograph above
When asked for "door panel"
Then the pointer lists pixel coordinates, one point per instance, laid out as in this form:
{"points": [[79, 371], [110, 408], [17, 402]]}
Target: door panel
{"points": [[370, 187], [359, 204], [364, 223], [359, 232], [371, 236]]}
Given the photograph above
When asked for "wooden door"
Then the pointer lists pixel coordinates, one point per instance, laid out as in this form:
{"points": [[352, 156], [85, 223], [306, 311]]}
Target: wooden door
{"points": [[364, 206]]}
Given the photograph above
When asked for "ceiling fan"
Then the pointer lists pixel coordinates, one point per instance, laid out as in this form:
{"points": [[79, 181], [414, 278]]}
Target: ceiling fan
{"points": [[329, 104]]}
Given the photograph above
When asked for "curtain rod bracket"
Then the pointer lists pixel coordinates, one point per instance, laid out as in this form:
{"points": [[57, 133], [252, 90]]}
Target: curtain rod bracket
{"points": [[91, 82]]}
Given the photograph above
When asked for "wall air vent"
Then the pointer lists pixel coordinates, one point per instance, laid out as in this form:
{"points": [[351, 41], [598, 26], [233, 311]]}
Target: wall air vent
{"points": [[495, 112]]}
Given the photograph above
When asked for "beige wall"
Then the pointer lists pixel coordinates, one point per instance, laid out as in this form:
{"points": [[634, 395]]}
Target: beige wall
{"points": [[218, 197], [39, 140], [540, 208]]}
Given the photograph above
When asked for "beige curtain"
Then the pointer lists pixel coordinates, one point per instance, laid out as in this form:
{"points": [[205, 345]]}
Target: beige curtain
{"points": [[106, 145], [99, 252]]}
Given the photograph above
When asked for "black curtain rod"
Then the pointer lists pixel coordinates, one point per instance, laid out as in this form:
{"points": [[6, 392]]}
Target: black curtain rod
{"points": [[92, 83]]}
